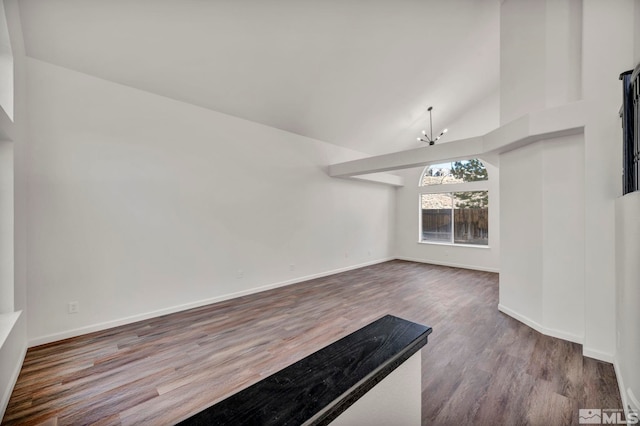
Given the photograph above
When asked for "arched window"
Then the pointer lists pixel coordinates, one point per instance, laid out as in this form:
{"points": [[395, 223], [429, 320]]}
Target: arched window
{"points": [[457, 213], [454, 172]]}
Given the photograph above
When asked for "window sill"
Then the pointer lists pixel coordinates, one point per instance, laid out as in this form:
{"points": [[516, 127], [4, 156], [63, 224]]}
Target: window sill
{"points": [[433, 243]]}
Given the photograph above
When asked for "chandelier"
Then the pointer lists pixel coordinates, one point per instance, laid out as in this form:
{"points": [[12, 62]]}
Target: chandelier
{"points": [[429, 137]]}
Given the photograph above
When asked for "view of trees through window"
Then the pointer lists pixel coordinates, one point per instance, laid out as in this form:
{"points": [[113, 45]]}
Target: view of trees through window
{"points": [[455, 217]]}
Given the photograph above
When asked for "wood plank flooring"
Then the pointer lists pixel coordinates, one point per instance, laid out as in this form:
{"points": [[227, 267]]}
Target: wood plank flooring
{"points": [[480, 366]]}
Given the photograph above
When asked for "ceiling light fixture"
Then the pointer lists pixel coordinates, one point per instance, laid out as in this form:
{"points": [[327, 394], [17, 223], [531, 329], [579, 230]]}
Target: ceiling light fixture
{"points": [[429, 138]]}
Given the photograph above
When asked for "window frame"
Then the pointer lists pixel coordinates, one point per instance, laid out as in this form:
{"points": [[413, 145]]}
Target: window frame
{"points": [[479, 185]]}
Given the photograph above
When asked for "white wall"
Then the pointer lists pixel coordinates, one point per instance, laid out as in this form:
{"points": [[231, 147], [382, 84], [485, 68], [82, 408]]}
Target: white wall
{"points": [[542, 236], [6, 66], [604, 58], [522, 49], [563, 52], [542, 266], [628, 295], [13, 349], [479, 119], [520, 230], [563, 274], [140, 204], [395, 400], [627, 253], [540, 55]]}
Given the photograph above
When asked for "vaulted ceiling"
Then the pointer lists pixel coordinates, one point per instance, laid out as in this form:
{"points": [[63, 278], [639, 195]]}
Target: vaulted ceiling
{"points": [[357, 73]]}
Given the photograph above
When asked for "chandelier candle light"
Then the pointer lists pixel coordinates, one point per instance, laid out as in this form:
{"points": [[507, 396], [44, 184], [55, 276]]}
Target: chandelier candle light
{"points": [[429, 138]]}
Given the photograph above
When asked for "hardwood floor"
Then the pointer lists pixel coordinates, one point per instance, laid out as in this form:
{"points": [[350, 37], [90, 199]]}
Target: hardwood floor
{"points": [[479, 367]]}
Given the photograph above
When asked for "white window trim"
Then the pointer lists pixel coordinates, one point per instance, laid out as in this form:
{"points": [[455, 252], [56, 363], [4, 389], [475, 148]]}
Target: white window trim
{"points": [[480, 185], [435, 243]]}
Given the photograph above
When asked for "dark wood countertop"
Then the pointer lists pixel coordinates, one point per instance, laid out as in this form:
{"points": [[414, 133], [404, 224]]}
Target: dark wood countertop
{"points": [[318, 388]]}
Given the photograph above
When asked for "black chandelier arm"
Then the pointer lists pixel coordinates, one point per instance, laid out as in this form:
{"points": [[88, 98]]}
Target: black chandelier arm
{"points": [[430, 125], [429, 138]]}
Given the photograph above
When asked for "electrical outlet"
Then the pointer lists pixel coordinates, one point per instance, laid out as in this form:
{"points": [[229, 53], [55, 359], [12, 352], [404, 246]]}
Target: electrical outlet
{"points": [[292, 267], [73, 307], [240, 273]]}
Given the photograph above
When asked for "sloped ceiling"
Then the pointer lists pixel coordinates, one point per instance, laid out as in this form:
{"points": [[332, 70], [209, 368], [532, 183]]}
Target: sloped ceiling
{"points": [[357, 73]]}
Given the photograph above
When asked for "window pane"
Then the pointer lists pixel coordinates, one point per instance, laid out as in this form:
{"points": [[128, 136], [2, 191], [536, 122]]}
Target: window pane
{"points": [[471, 217], [454, 172], [439, 174], [469, 170], [436, 217]]}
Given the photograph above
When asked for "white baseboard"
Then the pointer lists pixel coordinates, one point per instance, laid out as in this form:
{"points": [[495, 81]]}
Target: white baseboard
{"points": [[621, 388], [41, 340], [453, 265], [599, 355], [540, 328]]}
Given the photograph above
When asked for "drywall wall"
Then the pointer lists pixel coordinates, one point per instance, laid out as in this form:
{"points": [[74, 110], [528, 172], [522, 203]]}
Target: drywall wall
{"points": [[604, 58], [628, 279], [540, 55], [627, 296], [520, 230], [563, 236], [627, 253], [396, 400], [479, 119], [140, 205], [563, 53], [542, 236], [6, 66], [541, 185], [13, 324], [522, 75]]}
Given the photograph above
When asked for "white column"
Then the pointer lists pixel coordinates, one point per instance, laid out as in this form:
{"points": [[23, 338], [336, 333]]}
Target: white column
{"points": [[607, 51]]}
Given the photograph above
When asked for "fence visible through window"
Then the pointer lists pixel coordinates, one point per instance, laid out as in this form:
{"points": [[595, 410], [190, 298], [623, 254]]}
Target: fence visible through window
{"points": [[456, 217]]}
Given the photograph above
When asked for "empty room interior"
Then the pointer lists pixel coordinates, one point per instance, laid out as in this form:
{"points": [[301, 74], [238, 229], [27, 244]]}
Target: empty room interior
{"points": [[200, 199]]}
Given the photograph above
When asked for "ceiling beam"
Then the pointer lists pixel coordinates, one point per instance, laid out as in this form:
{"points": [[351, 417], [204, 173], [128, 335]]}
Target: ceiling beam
{"points": [[550, 123], [407, 159]]}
